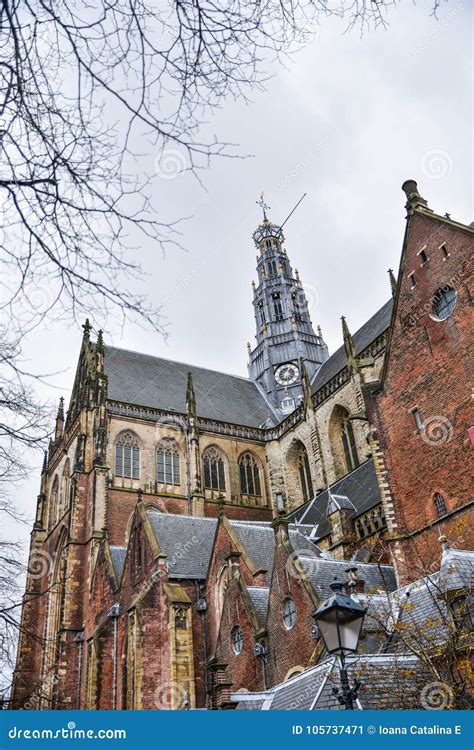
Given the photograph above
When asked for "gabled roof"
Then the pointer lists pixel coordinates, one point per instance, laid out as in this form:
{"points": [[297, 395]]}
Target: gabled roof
{"points": [[388, 681], [322, 572], [158, 383], [258, 539], [371, 330], [118, 555], [186, 541], [259, 596], [360, 487], [457, 570]]}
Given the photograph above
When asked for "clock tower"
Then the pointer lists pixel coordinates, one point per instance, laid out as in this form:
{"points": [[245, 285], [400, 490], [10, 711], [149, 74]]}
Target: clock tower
{"points": [[284, 329]]}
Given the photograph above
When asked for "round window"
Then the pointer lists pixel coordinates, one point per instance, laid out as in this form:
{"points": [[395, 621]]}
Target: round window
{"points": [[237, 640], [443, 303], [289, 613]]}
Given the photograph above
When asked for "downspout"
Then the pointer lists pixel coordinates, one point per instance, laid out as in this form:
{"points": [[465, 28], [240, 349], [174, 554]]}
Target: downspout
{"points": [[114, 613], [201, 606], [80, 641]]}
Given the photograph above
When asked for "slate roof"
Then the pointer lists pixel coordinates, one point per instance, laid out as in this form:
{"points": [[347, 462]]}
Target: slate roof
{"points": [[388, 681], [322, 572], [258, 539], [360, 486], [144, 380], [187, 542], [259, 596], [118, 555], [371, 330], [456, 570]]}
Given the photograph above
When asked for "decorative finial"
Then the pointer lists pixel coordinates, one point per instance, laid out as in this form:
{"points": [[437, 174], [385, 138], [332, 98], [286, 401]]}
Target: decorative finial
{"points": [[414, 199], [221, 502], [264, 206], [349, 345], [60, 414], [320, 333], [99, 347], [443, 540], [86, 328], [191, 397], [249, 348], [45, 463], [393, 282], [297, 274], [253, 284]]}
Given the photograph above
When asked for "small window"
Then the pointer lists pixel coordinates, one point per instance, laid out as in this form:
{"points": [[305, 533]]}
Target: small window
{"points": [[289, 613], [413, 281], [443, 303], [445, 252], [418, 419], [237, 638], [287, 405], [423, 257], [440, 505]]}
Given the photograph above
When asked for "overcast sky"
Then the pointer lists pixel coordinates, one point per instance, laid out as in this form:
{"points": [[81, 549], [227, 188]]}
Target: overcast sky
{"points": [[346, 122]]}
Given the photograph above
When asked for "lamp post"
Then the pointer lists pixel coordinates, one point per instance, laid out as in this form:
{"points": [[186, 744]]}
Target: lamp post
{"points": [[340, 619]]}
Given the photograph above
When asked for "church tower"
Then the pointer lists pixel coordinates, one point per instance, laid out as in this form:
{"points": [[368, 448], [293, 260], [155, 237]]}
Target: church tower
{"points": [[285, 333]]}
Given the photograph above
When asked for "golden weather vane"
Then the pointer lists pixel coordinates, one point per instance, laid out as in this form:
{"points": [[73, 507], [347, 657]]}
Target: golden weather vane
{"points": [[264, 206]]}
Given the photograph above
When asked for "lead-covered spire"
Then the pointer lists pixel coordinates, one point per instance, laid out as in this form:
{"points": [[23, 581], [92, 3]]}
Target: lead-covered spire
{"points": [[284, 331]]}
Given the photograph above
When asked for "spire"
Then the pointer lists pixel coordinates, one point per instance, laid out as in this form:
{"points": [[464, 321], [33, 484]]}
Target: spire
{"points": [[393, 282], [44, 468], [59, 420], [349, 345], [190, 397]]}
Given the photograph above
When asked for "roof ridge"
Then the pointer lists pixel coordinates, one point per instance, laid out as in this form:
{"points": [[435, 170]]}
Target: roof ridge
{"points": [[179, 362]]}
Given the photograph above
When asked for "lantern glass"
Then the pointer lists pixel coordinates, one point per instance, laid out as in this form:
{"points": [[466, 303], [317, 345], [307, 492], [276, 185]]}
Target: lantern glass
{"points": [[340, 621]]}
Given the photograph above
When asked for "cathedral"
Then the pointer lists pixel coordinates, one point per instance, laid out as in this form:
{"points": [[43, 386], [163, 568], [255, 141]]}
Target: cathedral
{"points": [[190, 522]]}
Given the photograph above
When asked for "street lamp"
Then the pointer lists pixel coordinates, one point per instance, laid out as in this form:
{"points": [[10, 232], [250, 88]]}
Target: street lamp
{"points": [[339, 620]]}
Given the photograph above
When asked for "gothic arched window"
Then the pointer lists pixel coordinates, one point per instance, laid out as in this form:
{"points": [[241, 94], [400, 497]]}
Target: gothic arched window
{"points": [[298, 458], [167, 463], [249, 476], [127, 456], [66, 486], [54, 502], [348, 442], [439, 503], [277, 306], [342, 440], [214, 472]]}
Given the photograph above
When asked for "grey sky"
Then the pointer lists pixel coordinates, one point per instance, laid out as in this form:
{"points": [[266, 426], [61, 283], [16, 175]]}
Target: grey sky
{"points": [[347, 122]]}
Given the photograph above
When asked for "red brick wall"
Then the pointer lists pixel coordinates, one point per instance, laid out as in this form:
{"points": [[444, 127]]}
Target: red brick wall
{"points": [[430, 367]]}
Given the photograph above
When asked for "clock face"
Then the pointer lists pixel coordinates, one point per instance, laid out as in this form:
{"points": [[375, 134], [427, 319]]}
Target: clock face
{"points": [[287, 374]]}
